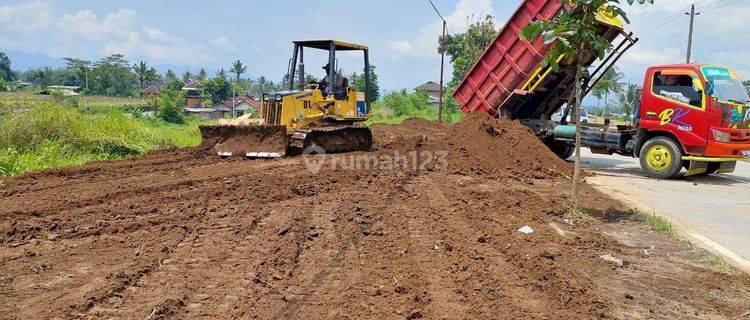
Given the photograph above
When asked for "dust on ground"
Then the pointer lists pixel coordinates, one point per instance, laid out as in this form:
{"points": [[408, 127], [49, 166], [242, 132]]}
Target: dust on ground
{"points": [[183, 234]]}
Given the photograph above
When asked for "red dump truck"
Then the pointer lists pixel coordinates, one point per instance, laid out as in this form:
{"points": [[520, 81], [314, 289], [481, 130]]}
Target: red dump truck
{"points": [[691, 116]]}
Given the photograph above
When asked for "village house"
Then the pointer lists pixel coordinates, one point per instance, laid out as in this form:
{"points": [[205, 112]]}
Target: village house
{"points": [[433, 93], [237, 107], [152, 92], [192, 96]]}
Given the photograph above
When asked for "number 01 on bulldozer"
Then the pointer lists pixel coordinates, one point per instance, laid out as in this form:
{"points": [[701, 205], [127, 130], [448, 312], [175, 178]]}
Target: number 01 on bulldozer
{"points": [[317, 117]]}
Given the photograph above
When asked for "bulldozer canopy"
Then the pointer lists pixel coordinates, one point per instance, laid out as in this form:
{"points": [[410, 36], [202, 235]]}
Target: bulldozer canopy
{"points": [[326, 45]]}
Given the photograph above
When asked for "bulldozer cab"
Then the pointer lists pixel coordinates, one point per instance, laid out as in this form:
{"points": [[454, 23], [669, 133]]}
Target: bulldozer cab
{"points": [[333, 84]]}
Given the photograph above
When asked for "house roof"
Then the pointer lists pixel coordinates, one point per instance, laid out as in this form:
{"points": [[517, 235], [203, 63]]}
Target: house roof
{"points": [[249, 100], [200, 110], [192, 85], [429, 86], [150, 89], [57, 87]]}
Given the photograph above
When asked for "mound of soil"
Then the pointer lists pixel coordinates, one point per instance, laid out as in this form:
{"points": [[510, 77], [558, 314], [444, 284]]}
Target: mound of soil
{"points": [[478, 144], [183, 234]]}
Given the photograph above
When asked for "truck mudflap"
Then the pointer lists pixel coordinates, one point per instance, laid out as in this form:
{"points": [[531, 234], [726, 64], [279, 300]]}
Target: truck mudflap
{"points": [[700, 165]]}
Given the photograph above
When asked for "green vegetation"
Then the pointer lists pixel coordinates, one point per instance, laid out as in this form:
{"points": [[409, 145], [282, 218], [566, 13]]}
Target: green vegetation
{"points": [[717, 263], [51, 134], [357, 81], [572, 212], [27, 98], [396, 106], [656, 223]]}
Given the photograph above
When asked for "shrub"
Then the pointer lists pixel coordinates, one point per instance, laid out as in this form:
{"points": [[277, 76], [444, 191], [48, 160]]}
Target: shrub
{"points": [[50, 135], [169, 106]]}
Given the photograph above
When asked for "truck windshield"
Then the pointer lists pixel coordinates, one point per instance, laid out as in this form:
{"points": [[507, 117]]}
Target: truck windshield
{"points": [[725, 85]]}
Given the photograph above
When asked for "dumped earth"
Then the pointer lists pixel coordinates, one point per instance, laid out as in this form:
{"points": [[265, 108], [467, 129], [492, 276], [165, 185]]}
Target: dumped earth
{"points": [[425, 226]]}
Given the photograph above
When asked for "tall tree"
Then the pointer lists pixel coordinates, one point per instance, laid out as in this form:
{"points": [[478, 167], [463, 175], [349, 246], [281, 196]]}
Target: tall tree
{"points": [[262, 84], [626, 100], [574, 34], [169, 75], [202, 75], [6, 73], [222, 73], [215, 90], [112, 75], [142, 72], [238, 69], [42, 77], [187, 77], [609, 84], [81, 68], [357, 81]]}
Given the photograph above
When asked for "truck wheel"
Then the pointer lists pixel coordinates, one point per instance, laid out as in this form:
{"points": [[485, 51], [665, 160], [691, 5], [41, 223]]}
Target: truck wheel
{"points": [[661, 158], [562, 151]]}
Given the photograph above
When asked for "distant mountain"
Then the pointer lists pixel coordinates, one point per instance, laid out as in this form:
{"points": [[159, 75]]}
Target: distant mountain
{"points": [[23, 60]]}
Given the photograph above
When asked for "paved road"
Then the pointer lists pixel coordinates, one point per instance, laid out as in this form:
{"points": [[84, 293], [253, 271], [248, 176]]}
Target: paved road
{"points": [[712, 211]]}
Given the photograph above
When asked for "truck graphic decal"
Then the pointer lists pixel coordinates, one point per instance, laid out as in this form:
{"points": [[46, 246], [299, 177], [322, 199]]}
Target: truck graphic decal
{"points": [[674, 116]]}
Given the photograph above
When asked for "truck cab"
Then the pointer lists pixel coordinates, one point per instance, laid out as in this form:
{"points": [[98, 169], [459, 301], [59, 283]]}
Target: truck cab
{"points": [[694, 116]]}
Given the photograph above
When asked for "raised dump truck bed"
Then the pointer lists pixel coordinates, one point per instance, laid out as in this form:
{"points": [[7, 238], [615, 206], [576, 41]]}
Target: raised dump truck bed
{"points": [[507, 79]]}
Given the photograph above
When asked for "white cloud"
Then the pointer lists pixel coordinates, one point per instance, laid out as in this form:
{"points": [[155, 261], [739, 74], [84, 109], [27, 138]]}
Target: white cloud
{"points": [[222, 43], [425, 44], [27, 18], [115, 32]]}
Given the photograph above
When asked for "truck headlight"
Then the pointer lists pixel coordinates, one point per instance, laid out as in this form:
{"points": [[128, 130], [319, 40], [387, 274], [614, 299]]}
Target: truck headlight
{"points": [[721, 136]]}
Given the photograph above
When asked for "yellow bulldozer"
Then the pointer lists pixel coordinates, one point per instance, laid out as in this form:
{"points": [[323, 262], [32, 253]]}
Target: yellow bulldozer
{"points": [[317, 117]]}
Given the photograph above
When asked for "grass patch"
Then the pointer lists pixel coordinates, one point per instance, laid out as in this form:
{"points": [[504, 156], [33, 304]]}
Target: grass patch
{"points": [[572, 212], [50, 135], [716, 263], [656, 223]]}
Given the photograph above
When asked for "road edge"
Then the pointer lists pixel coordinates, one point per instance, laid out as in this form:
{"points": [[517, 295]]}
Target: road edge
{"points": [[684, 231]]}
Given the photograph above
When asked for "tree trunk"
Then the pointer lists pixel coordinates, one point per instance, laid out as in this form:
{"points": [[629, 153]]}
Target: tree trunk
{"points": [[577, 118]]}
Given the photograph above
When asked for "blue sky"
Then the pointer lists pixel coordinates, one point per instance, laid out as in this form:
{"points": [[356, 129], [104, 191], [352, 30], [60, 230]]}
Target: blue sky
{"points": [[402, 34]]}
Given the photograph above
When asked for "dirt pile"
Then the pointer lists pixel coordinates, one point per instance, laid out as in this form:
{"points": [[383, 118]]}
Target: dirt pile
{"points": [[478, 145], [183, 234]]}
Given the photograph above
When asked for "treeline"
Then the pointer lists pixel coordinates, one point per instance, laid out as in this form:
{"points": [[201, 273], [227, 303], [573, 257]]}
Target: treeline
{"points": [[114, 75]]}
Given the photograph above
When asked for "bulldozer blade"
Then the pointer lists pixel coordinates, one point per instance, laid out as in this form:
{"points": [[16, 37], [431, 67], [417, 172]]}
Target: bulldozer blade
{"points": [[252, 141]]}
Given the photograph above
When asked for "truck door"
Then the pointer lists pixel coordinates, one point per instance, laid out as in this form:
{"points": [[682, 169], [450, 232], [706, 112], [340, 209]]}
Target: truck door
{"points": [[676, 103]]}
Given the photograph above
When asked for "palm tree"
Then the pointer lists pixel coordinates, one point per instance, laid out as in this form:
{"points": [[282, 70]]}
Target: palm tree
{"points": [[81, 68], [626, 100], [169, 75], [222, 73], [610, 83], [187, 77], [238, 69], [202, 75], [141, 71], [262, 83]]}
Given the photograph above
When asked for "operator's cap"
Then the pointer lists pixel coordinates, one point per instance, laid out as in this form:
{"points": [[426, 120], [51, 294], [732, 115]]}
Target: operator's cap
{"points": [[327, 66]]}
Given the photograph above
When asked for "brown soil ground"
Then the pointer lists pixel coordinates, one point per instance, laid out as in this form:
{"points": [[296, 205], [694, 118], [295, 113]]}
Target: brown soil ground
{"points": [[181, 234]]}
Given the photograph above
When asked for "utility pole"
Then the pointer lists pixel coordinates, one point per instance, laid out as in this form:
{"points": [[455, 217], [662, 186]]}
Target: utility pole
{"points": [[442, 63], [692, 15]]}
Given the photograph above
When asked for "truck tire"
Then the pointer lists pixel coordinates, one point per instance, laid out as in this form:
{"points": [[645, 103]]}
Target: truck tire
{"points": [[661, 158], [562, 151]]}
